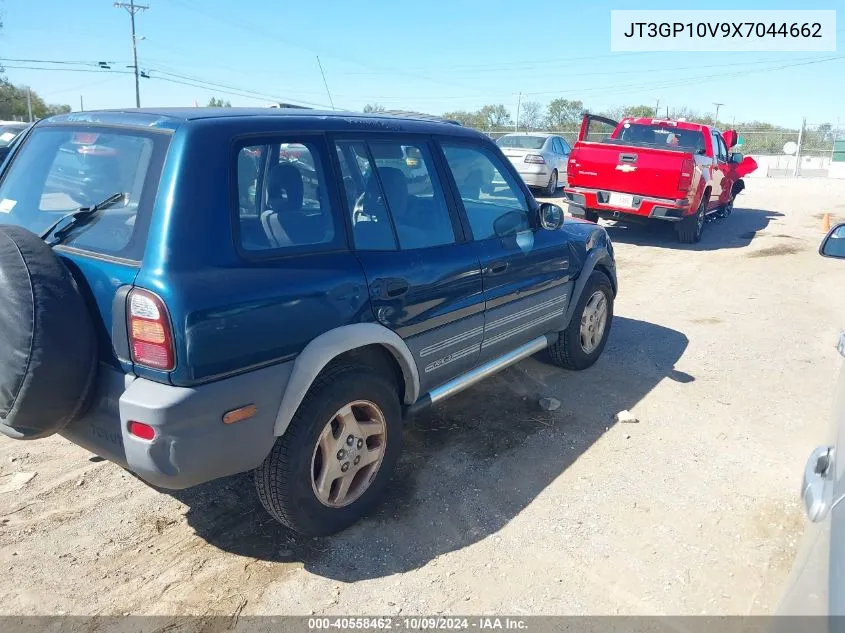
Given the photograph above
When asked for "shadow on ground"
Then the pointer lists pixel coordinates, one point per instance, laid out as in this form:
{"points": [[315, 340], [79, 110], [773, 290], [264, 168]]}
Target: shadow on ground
{"points": [[469, 466], [735, 231]]}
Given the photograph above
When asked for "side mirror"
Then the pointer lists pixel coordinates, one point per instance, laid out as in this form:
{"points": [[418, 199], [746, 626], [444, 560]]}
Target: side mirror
{"points": [[509, 223], [736, 158], [551, 216], [833, 244], [730, 137]]}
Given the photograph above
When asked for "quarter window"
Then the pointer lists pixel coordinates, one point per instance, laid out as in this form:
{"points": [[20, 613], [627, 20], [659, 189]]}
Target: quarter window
{"points": [[282, 197]]}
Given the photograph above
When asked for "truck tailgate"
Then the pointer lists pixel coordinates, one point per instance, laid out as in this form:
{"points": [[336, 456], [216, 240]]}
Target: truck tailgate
{"points": [[642, 171]]}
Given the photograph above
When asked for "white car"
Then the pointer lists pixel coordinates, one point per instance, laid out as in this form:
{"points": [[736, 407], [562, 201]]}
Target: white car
{"points": [[540, 159]]}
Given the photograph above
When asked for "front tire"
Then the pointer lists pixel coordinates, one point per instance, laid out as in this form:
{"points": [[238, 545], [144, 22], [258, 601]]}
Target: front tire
{"points": [[316, 480], [690, 228], [582, 342]]}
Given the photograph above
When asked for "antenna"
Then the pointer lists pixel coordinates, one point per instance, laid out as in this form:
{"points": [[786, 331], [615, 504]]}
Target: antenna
{"points": [[325, 83]]}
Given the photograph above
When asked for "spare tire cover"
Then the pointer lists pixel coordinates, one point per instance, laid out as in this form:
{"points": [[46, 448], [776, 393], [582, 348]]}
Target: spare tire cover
{"points": [[48, 354]]}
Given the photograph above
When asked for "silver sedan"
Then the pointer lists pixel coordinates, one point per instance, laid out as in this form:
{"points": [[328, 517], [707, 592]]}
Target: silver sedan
{"points": [[540, 159]]}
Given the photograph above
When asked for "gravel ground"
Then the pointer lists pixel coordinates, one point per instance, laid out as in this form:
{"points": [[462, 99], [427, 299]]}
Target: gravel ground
{"points": [[724, 351]]}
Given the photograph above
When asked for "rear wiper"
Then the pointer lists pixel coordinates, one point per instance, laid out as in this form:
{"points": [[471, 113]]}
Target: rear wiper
{"points": [[79, 218]]}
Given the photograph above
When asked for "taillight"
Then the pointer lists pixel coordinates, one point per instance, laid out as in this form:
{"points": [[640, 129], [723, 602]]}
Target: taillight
{"points": [[687, 170], [535, 158], [150, 335]]}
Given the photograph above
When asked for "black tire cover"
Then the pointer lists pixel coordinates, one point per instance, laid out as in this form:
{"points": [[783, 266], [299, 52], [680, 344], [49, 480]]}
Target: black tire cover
{"points": [[48, 355]]}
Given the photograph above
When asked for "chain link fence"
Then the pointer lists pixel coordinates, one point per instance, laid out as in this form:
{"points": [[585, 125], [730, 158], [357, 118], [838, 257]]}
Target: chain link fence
{"points": [[808, 150]]}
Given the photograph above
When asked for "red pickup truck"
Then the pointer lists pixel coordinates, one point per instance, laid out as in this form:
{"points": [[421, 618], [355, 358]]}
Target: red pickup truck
{"points": [[641, 168]]}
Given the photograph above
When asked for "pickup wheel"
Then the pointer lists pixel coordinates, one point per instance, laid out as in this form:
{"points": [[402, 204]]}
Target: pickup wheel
{"points": [[331, 466], [690, 228], [551, 188], [582, 342], [726, 209]]}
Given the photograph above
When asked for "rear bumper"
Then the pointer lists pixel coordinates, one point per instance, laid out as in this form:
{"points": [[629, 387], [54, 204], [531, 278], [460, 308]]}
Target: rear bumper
{"points": [[537, 177], [191, 444], [645, 207]]}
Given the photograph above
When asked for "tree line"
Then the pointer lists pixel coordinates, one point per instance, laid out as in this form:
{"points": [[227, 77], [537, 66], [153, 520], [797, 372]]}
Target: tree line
{"points": [[563, 116]]}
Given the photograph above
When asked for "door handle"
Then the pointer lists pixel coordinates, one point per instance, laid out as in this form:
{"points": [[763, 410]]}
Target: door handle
{"points": [[396, 288], [497, 267]]}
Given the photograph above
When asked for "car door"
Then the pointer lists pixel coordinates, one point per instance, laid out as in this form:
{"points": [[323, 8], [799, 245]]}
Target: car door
{"points": [[527, 284], [562, 158], [595, 129], [720, 168], [423, 275]]}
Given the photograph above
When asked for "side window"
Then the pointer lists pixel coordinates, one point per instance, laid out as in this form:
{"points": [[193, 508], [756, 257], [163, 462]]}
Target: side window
{"points": [[414, 195], [282, 198], [371, 227], [566, 149], [558, 146], [402, 190], [487, 188]]}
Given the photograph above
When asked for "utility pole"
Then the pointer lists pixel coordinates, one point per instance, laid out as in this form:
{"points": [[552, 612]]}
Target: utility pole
{"points": [[132, 9], [29, 102], [518, 105], [657, 109], [718, 105], [797, 167], [81, 106]]}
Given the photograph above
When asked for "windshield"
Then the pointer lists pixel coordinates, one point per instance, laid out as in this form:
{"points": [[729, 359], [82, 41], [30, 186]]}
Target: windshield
{"points": [[662, 136], [522, 142], [60, 169], [8, 134]]}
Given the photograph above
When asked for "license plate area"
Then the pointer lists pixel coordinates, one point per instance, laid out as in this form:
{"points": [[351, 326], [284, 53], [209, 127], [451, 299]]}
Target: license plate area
{"points": [[621, 200]]}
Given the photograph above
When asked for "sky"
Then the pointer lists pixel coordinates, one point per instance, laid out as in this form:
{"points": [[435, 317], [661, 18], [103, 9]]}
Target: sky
{"points": [[434, 56]]}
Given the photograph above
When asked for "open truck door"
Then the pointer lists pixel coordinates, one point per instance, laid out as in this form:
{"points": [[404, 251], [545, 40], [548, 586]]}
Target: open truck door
{"points": [[595, 129]]}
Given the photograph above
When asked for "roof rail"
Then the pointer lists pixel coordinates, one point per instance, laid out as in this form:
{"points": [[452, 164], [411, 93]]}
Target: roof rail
{"points": [[418, 115]]}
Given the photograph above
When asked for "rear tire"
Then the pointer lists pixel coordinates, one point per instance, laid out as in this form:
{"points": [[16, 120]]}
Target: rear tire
{"points": [[571, 350], [551, 188], [690, 228], [288, 482]]}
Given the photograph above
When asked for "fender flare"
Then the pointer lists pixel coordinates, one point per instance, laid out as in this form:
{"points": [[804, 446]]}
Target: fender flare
{"points": [[596, 257], [328, 346]]}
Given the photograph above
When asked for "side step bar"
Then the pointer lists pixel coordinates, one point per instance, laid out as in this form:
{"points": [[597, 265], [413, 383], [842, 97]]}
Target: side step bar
{"points": [[456, 385]]}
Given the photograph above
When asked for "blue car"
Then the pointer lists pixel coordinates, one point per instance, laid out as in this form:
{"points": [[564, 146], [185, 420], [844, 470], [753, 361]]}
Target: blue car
{"points": [[197, 293]]}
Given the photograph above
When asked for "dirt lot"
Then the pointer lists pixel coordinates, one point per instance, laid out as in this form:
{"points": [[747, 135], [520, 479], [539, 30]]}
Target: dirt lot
{"points": [[724, 351]]}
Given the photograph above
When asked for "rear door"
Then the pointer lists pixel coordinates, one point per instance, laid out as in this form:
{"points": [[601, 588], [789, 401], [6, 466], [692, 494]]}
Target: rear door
{"points": [[525, 271], [424, 277], [596, 129]]}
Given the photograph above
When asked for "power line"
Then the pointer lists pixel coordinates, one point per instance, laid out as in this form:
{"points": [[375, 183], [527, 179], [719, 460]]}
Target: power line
{"points": [[72, 70]]}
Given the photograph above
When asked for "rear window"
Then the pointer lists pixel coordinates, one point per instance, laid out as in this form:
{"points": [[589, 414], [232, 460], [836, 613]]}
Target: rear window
{"points": [[522, 142], [61, 169], [662, 136]]}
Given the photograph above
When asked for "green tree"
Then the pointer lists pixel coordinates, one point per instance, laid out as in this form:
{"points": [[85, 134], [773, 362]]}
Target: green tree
{"points": [[467, 119], [218, 103], [531, 115], [13, 103], [495, 116], [563, 112], [639, 111], [373, 107]]}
